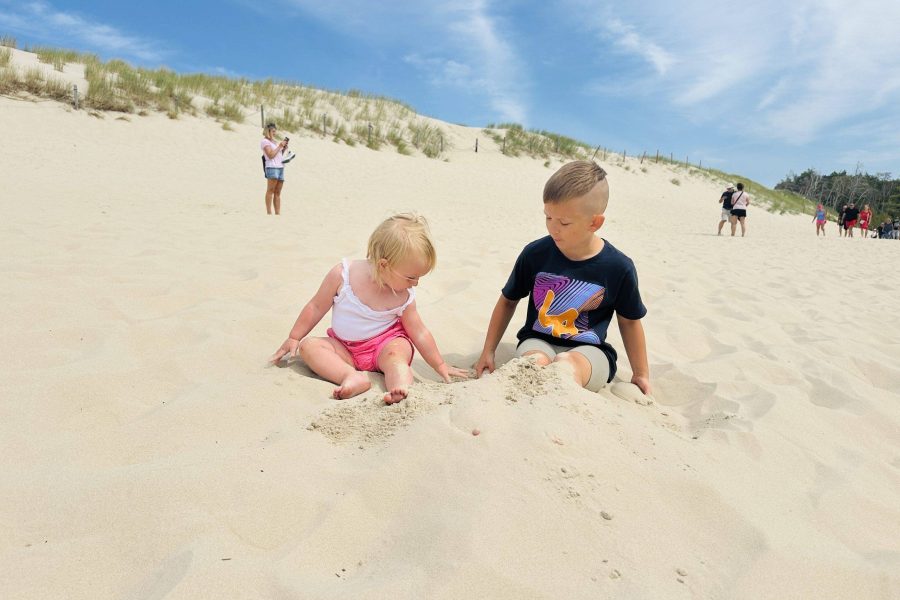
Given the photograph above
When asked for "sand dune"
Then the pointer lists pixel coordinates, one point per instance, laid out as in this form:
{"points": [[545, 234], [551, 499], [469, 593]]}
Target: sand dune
{"points": [[148, 452]]}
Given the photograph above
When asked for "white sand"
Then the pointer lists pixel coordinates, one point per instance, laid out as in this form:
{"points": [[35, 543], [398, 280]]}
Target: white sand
{"points": [[148, 452]]}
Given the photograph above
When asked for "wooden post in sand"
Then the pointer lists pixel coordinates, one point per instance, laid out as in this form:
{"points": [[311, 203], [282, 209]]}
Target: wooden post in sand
{"points": [[504, 145], [657, 156], [262, 116], [624, 155], [671, 157], [442, 143], [643, 156], [370, 134], [476, 145], [324, 128], [75, 96]]}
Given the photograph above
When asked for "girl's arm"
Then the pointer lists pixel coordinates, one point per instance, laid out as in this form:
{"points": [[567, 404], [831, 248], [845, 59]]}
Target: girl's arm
{"points": [[425, 344], [311, 314]]}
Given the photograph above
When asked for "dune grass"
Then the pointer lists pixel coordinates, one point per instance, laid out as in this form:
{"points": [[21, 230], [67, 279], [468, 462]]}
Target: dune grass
{"points": [[515, 140], [5, 56], [8, 41]]}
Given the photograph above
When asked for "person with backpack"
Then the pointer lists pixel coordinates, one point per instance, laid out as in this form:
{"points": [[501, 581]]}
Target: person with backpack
{"points": [[273, 165], [725, 201]]}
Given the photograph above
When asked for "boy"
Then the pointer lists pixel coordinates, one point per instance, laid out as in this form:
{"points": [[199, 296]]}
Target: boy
{"points": [[574, 280]]}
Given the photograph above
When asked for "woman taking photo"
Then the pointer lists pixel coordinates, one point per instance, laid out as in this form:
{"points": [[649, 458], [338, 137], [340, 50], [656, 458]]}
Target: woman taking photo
{"points": [[274, 167]]}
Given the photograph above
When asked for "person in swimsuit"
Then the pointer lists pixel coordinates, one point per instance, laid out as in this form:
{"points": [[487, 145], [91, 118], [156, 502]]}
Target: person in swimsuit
{"points": [[821, 217], [374, 321]]}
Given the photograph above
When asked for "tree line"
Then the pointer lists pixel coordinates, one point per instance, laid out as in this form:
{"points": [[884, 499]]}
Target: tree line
{"points": [[880, 191]]}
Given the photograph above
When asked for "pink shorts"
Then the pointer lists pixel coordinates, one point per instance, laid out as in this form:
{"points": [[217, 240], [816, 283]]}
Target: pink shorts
{"points": [[365, 352]]}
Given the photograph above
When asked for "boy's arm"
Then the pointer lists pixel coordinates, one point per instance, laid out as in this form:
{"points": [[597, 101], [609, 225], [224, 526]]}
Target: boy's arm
{"points": [[503, 312], [636, 347], [311, 314], [423, 341]]}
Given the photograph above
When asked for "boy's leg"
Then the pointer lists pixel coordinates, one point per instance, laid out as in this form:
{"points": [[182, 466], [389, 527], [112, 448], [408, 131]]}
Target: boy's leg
{"points": [[330, 360], [538, 350], [393, 360], [590, 366]]}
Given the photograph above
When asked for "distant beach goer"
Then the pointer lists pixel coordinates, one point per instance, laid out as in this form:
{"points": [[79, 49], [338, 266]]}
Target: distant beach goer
{"points": [[725, 201], [850, 218], [739, 203], [821, 217], [576, 281], [374, 321], [865, 215], [841, 217], [274, 167]]}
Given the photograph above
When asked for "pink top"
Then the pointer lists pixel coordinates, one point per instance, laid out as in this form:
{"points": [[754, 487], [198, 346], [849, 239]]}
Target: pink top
{"points": [[274, 163]]}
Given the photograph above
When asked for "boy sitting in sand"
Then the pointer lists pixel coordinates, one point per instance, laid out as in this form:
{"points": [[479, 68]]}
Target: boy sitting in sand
{"points": [[575, 280], [374, 321]]}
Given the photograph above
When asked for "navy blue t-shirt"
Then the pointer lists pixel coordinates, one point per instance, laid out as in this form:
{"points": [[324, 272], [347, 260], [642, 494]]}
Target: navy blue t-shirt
{"points": [[572, 302]]}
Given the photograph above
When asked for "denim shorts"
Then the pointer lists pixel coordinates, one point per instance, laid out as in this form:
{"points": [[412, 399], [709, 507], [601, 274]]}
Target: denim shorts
{"points": [[275, 173]]}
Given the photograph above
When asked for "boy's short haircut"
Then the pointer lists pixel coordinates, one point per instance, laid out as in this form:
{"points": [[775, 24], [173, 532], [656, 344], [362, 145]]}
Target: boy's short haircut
{"points": [[573, 180], [399, 237]]}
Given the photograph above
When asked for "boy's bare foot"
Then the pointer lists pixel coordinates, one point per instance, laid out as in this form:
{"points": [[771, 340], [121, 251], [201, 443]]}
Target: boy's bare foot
{"points": [[353, 385], [396, 394]]}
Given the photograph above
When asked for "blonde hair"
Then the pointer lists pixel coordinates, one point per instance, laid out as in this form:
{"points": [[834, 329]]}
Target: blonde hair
{"points": [[267, 129], [401, 236], [574, 180]]}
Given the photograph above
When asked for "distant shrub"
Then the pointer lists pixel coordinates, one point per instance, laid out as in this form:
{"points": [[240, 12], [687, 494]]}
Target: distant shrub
{"points": [[674, 181]]}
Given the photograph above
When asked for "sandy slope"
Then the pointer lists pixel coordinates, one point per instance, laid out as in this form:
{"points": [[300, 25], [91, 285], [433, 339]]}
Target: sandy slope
{"points": [[147, 452]]}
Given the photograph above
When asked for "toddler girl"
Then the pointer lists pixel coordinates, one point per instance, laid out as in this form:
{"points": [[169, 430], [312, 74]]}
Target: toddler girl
{"points": [[374, 323]]}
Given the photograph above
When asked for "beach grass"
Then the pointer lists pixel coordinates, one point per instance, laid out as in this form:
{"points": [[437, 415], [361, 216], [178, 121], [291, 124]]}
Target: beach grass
{"points": [[5, 56], [8, 41]]}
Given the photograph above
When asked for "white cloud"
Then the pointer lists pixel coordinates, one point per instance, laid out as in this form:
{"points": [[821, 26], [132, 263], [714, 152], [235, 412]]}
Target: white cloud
{"points": [[41, 20], [465, 42], [791, 72]]}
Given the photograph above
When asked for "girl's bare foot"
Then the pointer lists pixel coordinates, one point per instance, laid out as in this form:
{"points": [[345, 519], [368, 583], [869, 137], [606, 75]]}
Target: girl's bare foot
{"points": [[396, 394], [354, 384]]}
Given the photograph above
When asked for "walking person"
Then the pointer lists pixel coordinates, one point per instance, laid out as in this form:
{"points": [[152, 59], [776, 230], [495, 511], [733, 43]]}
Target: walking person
{"points": [[739, 203], [821, 217], [850, 218], [865, 215], [725, 201], [274, 167]]}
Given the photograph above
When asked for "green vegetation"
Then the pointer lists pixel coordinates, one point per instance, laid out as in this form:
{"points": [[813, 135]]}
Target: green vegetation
{"points": [[675, 181], [8, 41], [880, 191], [5, 56], [515, 140]]}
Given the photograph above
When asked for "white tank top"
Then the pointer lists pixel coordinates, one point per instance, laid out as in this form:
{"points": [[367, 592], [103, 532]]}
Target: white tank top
{"points": [[353, 320]]}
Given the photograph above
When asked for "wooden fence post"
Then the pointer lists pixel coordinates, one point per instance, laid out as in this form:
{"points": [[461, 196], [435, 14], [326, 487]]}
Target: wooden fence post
{"points": [[504, 145], [442, 143], [643, 156], [476, 145], [262, 116], [324, 128], [657, 156], [370, 134], [75, 96]]}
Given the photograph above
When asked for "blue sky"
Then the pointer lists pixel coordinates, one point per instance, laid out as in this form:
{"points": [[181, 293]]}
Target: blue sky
{"points": [[758, 88]]}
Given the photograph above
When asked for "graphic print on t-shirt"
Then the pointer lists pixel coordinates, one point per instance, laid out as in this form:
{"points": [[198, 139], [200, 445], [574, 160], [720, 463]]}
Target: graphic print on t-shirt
{"points": [[563, 306]]}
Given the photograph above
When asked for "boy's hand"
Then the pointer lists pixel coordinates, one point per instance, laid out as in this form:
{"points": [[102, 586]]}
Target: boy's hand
{"points": [[288, 348], [485, 361], [643, 384], [446, 372]]}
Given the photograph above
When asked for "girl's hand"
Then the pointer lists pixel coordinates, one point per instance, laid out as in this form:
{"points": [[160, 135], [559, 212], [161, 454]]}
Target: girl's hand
{"points": [[446, 372], [288, 348]]}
